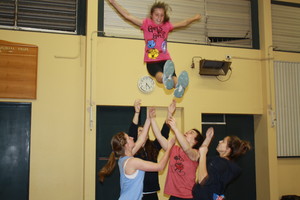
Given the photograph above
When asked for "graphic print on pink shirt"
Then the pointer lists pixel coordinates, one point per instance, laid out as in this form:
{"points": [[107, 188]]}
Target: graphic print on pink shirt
{"points": [[178, 167], [156, 40]]}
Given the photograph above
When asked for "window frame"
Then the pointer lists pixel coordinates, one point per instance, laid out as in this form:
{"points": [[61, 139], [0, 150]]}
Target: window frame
{"points": [[283, 48], [80, 18], [254, 26]]}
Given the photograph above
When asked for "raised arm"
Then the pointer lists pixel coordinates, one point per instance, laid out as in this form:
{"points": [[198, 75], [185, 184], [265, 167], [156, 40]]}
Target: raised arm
{"points": [[133, 129], [137, 109], [186, 22], [126, 14], [136, 163], [171, 109], [209, 135], [160, 138], [202, 170], [185, 145], [166, 129], [142, 137]]}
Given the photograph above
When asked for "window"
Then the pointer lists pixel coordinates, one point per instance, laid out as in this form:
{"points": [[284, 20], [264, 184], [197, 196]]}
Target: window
{"points": [[285, 26], [63, 16], [287, 98], [223, 23]]}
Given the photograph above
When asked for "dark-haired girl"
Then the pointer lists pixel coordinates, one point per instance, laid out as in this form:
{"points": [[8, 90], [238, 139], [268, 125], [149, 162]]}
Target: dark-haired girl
{"points": [[181, 176], [150, 149], [215, 173]]}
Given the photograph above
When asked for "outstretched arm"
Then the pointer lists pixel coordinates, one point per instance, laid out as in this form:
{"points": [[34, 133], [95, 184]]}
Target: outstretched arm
{"points": [[137, 108], [171, 109], [208, 137], [186, 22], [125, 13], [142, 137], [133, 129], [185, 145], [136, 163], [166, 129], [202, 170], [160, 138]]}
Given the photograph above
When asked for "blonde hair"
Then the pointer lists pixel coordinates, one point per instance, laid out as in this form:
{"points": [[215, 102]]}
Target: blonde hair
{"points": [[163, 6]]}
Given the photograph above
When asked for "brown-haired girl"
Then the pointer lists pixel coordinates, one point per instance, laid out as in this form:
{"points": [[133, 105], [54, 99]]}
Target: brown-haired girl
{"points": [[215, 173], [132, 170], [183, 163]]}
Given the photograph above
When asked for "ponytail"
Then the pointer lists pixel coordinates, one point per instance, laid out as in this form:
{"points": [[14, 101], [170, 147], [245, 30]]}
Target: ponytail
{"points": [[108, 167], [238, 147], [245, 146], [117, 142]]}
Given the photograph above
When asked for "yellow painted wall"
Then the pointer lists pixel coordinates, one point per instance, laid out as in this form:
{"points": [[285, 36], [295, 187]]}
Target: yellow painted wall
{"points": [[289, 181], [57, 124], [76, 72], [288, 168]]}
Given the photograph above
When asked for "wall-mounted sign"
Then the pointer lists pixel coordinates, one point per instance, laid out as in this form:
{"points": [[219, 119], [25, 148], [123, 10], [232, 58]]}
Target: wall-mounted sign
{"points": [[18, 70]]}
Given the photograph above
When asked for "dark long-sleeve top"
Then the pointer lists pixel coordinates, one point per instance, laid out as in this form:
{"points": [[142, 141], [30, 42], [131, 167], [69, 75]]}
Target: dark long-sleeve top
{"points": [[220, 173], [151, 183]]}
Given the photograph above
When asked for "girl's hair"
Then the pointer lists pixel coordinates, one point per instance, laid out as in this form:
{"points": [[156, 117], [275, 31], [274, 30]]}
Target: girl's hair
{"points": [[149, 151], [163, 6], [199, 138], [238, 147], [117, 142]]}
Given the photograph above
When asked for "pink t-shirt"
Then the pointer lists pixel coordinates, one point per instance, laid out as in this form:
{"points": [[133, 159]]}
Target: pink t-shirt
{"points": [[156, 40], [181, 174]]}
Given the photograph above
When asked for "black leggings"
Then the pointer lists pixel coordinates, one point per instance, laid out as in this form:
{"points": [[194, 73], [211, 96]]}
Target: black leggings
{"points": [[152, 196], [154, 67], [177, 198]]}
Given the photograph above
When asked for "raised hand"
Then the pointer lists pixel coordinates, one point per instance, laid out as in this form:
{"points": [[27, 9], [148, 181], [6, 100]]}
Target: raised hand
{"points": [[197, 17], [152, 112], [172, 122], [172, 107], [137, 105], [122, 11], [209, 136], [210, 132]]}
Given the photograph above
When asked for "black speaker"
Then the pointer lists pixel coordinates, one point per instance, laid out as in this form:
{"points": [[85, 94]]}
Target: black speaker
{"points": [[214, 67]]}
